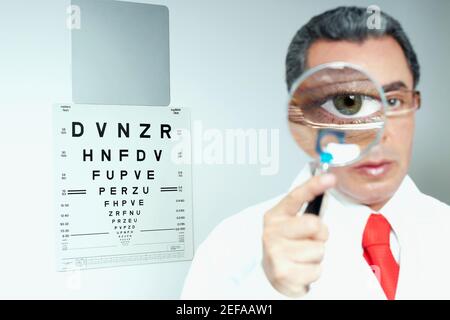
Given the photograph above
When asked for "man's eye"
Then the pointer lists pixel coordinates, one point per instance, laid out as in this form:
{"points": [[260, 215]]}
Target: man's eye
{"points": [[352, 106], [348, 105], [394, 102]]}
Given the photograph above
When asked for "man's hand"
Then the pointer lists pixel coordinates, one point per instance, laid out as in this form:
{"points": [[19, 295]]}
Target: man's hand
{"points": [[294, 245]]}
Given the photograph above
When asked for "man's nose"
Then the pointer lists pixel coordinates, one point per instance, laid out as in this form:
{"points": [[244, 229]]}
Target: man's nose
{"points": [[387, 132], [377, 149]]}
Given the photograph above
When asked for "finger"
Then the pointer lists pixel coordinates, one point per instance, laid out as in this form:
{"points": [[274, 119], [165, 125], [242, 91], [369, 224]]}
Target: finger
{"points": [[322, 234], [305, 251], [302, 274], [291, 204], [300, 227], [309, 273]]}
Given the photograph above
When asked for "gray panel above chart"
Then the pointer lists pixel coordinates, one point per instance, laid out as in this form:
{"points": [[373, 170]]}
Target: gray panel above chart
{"points": [[120, 54]]}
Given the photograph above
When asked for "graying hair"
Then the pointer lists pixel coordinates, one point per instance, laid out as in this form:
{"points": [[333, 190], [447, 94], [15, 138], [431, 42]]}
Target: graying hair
{"points": [[345, 23]]}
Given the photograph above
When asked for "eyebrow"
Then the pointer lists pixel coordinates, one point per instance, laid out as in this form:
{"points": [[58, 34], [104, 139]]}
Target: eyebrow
{"points": [[363, 85], [394, 86]]}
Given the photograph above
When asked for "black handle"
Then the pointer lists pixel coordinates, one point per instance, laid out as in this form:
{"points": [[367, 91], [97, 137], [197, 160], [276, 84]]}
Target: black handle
{"points": [[314, 206]]}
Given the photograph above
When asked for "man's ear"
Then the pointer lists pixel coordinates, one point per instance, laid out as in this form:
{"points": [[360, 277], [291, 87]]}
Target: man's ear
{"points": [[417, 99]]}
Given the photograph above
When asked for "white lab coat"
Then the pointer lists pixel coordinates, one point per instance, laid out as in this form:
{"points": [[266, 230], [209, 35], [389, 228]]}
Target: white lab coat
{"points": [[227, 265]]}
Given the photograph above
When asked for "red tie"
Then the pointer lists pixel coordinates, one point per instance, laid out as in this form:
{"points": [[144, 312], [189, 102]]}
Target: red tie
{"points": [[378, 255]]}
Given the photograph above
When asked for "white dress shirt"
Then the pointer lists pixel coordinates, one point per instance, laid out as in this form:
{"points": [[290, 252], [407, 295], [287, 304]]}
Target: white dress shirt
{"points": [[227, 265]]}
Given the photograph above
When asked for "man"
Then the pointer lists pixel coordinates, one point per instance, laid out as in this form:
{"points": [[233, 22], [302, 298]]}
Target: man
{"points": [[379, 236]]}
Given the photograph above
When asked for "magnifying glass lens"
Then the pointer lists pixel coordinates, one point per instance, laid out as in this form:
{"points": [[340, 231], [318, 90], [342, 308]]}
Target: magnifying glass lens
{"points": [[336, 113]]}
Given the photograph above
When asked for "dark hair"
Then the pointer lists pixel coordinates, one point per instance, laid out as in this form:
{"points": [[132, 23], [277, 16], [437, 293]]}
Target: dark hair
{"points": [[345, 23]]}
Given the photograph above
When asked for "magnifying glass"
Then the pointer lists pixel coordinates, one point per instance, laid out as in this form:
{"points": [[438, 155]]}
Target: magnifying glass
{"points": [[336, 114]]}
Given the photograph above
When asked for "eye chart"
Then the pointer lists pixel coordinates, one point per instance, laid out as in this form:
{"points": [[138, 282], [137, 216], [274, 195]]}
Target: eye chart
{"points": [[122, 185]]}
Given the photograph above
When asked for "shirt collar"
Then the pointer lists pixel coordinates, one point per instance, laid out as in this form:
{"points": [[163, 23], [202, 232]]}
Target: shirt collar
{"points": [[394, 210]]}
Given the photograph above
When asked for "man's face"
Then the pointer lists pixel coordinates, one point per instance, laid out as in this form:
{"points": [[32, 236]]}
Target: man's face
{"points": [[373, 180]]}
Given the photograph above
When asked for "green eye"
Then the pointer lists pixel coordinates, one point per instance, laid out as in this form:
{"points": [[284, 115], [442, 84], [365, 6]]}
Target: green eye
{"points": [[348, 104]]}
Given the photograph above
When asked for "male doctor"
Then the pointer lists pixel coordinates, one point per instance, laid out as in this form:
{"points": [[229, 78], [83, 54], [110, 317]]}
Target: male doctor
{"points": [[379, 237]]}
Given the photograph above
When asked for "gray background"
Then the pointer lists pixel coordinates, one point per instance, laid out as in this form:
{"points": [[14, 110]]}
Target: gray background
{"points": [[227, 60]]}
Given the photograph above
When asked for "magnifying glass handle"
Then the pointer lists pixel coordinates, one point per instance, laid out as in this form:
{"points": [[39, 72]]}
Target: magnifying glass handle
{"points": [[315, 205]]}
